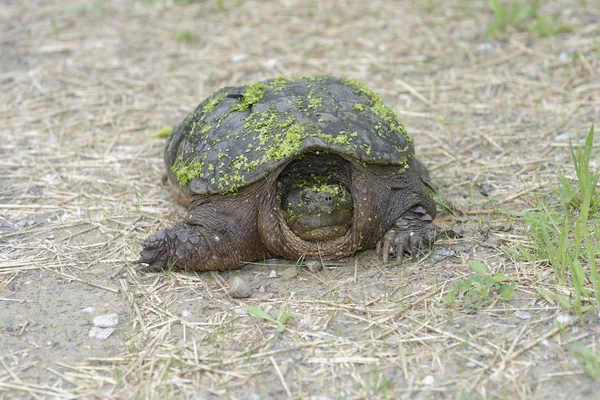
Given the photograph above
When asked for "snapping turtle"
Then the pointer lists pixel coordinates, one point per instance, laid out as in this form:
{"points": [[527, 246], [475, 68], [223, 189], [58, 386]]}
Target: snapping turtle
{"points": [[317, 167]]}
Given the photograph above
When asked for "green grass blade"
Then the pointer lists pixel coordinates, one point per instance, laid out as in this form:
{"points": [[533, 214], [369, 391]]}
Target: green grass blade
{"points": [[589, 361], [258, 313], [478, 266], [591, 257]]}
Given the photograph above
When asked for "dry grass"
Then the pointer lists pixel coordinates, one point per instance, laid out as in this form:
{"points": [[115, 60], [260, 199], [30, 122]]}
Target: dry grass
{"points": [[82, 84]]}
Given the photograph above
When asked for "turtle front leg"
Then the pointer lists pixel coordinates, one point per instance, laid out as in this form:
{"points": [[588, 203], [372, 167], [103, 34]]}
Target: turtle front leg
{"points": [[216, 235], [182, 246], [413, 233]]}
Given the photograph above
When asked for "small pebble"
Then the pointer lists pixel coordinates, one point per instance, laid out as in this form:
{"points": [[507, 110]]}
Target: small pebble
{"points": [[494, 240], [106, 321], [273, 274], [270, 63], [239, 288], [25, 222], [441, 254], [100, 333], [522, 314], [88, 310], [235, 58], [563, 137], [241, 311], [564, 319], [186, 314], [5, 225], [428, 380]]}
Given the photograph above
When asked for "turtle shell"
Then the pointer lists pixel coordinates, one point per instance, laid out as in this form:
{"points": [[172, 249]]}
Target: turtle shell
{"points": [[239, 135]]}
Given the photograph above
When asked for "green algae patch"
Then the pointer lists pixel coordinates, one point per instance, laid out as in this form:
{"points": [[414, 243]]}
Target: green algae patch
{"points": [[359, 107], [213, 103], [230, 183], [200, 127], [262, 124], [324, 183], [285, 143], [253, 94], [286, 124], [288, 143], [162, 133], [378, 108], [315, 103], [279, 84], [187, 172], [342, 139]]}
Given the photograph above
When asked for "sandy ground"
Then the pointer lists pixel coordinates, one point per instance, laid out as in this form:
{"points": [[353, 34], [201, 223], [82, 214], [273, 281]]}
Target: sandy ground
{"points": [[83, 84]]}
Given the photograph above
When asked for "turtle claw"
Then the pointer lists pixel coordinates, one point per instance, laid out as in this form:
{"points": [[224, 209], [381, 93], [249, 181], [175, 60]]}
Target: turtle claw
{"points": [[181, 246], [413, 234], [414, 242], [154, 252], [171, 247]]}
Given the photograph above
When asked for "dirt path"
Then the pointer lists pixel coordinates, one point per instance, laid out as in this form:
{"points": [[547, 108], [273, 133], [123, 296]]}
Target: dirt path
{"points": [[83, 84]]}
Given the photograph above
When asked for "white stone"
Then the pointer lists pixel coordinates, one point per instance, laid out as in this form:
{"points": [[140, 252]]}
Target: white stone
{"points": [[235, 58], [428, 380], [106, 320], [522, 314], [270, 63], [563, 137], [564, 319], [273, 274], [100, 333], [88, 310]]}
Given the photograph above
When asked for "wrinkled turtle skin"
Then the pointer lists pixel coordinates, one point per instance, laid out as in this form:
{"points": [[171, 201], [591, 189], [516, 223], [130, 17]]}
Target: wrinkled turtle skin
{"points": [[317, 167]]}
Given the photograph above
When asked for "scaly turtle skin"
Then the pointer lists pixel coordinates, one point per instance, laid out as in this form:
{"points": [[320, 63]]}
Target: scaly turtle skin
{"points": [[317, 167]]}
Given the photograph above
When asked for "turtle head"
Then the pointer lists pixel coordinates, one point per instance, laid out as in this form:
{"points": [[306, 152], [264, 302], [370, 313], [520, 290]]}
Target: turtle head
{"points": [[314, 196], [317, 210]]}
